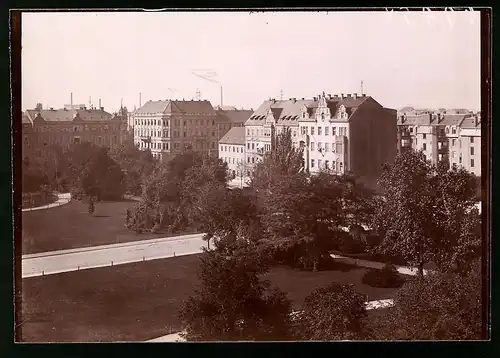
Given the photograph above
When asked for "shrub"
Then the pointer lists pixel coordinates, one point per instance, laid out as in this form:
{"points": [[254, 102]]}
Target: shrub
{"points": [[387, 277], [350, 245]]}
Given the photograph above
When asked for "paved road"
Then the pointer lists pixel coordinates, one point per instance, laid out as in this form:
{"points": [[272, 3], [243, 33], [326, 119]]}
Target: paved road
{"points": [[53, 262]]}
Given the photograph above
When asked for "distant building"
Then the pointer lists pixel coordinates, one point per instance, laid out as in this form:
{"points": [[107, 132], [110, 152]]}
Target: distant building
{"points": [[341, 133], [171, 127], [443, 137], [232, 151], [64, 127]]}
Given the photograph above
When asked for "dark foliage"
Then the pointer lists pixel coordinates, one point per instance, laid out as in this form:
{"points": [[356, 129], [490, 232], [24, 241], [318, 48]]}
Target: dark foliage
{"points": [[387, 277]]}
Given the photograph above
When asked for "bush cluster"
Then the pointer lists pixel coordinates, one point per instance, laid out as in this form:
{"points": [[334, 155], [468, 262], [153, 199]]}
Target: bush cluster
{"points": [[387, 277]]}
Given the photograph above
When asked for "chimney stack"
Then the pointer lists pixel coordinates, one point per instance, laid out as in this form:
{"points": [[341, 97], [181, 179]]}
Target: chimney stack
{"points": [[355, 95], [349, 95], [100, 103], [140, 100], [342, 95], [71, 100], [335, 96], [329, 96]]}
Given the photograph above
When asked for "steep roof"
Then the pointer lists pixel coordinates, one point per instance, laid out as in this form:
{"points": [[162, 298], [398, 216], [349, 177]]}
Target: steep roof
{"points": [[470, 123], [177, 107], [25, 119], [290, 111], [452, 119], [64, 115], [236, 135], [233, 116], [414, 120]]}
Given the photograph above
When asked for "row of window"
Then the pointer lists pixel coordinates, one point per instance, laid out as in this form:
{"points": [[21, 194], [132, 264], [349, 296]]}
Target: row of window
{"points": [[229, 160], [336, 147], [304, 130], [165, 145], [227, 148], [79, 128], [165, 133], [176, 122], [338, 166]]}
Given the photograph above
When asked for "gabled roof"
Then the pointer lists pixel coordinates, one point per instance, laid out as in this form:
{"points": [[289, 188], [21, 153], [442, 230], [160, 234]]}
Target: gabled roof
{"points": [[290, 111], [233, 116], [470, 123], [452, 119], [236, 135], [177, 107], [25, 119], [64, 115]]}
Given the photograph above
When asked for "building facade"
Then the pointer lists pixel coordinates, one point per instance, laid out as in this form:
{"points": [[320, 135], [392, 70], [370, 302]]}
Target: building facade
{"points": [[232, 151], [443, 138], [340, 133], [63, 127], [171, 127]]}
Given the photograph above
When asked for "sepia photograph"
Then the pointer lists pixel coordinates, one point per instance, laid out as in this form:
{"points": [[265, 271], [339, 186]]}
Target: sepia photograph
{"points": [[250, 176]]}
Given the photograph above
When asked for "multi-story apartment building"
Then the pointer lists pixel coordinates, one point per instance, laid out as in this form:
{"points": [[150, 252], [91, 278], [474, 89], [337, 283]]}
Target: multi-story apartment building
{"points": [[229, 117], [28, 138], [339, 133], [470, 144], [64, 127], [232, 151], [170, 127], [442, 138]]}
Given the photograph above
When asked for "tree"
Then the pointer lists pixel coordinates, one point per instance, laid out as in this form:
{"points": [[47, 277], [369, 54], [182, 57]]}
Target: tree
{"points": [[423, 211], [233, 303], [33, 177], [135, 163], [202, 183], [283, 159], [304, 213], [439, 306], [335, 312]]}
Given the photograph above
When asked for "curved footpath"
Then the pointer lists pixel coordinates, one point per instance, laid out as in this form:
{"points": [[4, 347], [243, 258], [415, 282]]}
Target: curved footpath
{"points": [[176, 337], [62, 199]]}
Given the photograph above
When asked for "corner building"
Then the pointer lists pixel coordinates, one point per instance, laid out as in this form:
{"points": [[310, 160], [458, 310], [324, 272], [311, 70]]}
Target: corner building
{"points": [[340, 133]]}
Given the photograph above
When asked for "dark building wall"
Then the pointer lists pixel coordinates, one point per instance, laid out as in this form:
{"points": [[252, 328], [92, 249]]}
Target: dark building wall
{"points": [[373, 139]]}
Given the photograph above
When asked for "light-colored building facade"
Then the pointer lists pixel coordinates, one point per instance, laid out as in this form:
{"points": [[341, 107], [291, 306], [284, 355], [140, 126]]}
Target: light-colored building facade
{"points": [[340, 133], [64, 127], [443, 138], [171, 127], [232, 151]]}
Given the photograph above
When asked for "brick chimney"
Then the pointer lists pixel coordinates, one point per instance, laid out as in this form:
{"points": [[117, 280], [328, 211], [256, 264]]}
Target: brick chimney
{"points": [[342, 95], [349, 95], [355, 95], [329, 96]]}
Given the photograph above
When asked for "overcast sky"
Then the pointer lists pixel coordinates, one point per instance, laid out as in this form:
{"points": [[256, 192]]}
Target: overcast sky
{"points": [[404, 58]]}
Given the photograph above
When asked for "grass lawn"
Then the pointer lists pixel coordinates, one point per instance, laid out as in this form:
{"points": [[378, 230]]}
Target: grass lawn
{"points": [[140, 301], [70, 226]]}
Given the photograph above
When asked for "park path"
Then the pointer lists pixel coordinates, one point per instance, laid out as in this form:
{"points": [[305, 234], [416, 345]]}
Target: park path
{"points": [[53, 262], [176, 337], [62, 199]]}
